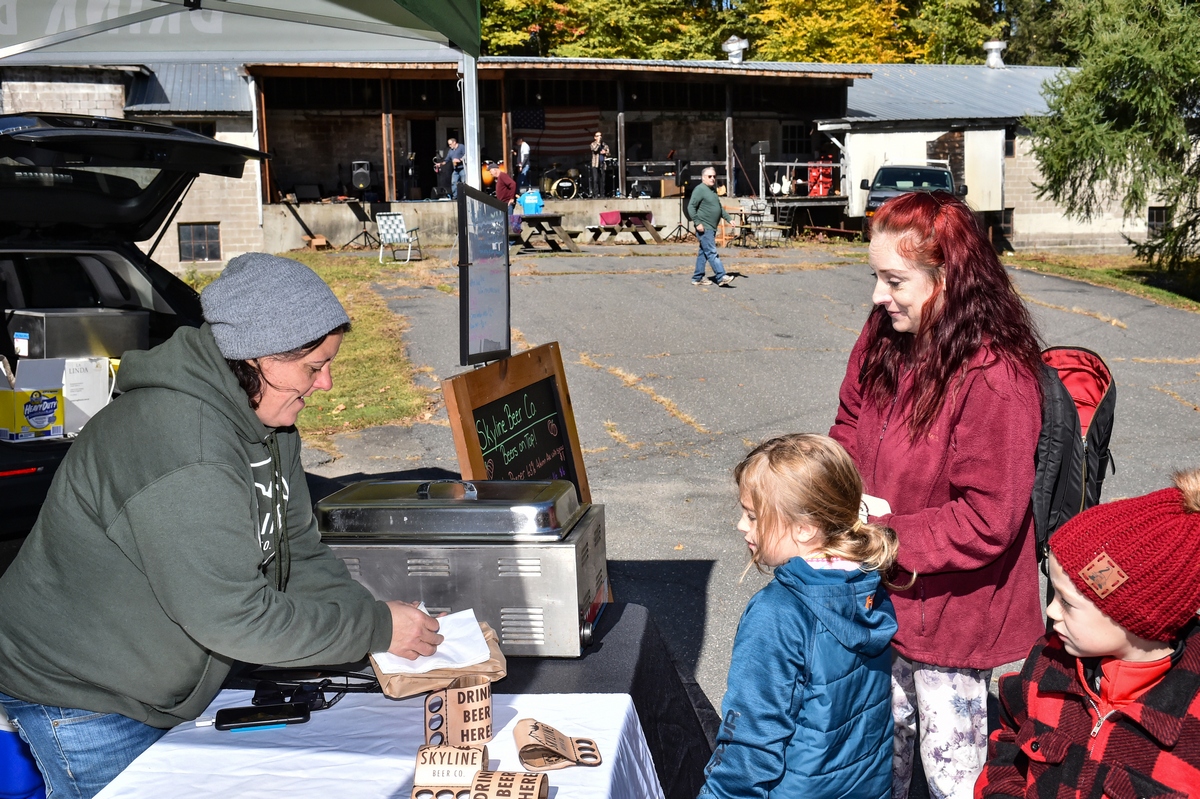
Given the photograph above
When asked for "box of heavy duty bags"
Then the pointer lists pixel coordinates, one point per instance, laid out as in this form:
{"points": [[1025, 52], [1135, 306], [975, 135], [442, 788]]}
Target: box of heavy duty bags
{"points": [[32, 406]]}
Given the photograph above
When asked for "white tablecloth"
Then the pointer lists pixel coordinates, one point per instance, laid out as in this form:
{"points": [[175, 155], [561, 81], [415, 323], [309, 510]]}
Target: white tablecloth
{"points": [[365, 746]]}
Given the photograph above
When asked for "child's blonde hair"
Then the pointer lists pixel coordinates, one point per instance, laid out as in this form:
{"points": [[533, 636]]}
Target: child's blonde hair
{"points": [[804, 478]]}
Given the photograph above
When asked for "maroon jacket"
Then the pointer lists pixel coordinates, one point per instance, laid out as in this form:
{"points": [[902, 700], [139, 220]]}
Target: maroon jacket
{"points": [[506, 188], [960, 502], [1048, 747]]}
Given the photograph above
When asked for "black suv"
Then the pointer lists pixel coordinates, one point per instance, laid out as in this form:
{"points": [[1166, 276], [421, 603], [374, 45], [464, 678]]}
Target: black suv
{"points": [[76, 193]]}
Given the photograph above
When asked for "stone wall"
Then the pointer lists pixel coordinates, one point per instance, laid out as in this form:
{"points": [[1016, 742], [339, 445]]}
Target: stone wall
{"points": [[98, 92], [1042, 224]]}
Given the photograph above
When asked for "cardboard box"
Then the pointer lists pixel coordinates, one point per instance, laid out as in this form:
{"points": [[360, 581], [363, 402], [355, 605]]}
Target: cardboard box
{"points": [[35, 407], [87, 387]]}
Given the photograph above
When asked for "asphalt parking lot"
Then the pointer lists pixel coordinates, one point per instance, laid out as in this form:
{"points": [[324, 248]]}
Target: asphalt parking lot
{"points": [[672, 383]]}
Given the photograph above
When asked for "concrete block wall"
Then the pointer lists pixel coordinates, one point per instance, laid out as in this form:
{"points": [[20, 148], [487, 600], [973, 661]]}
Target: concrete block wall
{"points": [[59, 91], [1043, 224], [309, 146], [231, 202]]}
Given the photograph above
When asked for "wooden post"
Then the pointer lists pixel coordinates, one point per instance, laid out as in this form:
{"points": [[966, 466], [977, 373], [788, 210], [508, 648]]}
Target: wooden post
{"points": [[264, 166], [729, 160], [389, 141], [505, 127], [621, 138]]}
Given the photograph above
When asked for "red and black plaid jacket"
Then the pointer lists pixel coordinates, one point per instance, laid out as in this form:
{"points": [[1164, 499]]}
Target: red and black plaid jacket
{"points": [[1049, 747]]}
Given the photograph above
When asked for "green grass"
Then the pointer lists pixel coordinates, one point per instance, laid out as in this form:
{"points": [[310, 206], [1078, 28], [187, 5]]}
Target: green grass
{"points": [[372, 378], [1121, 272]]}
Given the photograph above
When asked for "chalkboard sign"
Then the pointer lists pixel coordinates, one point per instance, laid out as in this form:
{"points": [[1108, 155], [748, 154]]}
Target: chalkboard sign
{"points": [[512, 420]]}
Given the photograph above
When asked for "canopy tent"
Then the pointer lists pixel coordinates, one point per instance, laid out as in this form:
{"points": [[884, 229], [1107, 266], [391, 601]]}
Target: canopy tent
{"points": [[121, 32]]}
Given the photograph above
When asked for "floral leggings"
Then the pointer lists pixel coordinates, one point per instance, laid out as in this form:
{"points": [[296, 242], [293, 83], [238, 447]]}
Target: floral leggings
{"points": [[952, 704]]}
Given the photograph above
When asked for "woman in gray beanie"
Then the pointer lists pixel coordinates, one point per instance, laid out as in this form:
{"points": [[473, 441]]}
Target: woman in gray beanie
{"points": [[178, 537]]}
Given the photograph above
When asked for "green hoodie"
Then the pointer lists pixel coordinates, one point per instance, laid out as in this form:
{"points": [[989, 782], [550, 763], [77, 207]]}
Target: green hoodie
{"points": [[151, 567]]}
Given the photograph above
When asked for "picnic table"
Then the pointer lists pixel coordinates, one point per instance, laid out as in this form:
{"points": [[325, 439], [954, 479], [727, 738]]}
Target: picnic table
{"points": [[637, 223], [548, 228]]}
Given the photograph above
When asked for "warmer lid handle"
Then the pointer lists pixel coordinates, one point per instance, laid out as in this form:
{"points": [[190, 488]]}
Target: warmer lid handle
{"points": [[469, 490]]}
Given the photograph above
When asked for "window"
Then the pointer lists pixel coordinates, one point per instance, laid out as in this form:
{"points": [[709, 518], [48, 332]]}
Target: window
{"points": [[200, 242], [1006, 223], [202, 126], [1010, 142], [639, 141], [1156, 220], [796, 139]]}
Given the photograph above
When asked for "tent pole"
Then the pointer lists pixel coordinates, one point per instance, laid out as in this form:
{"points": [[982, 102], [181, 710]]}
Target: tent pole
{"points": [[470, 98]]}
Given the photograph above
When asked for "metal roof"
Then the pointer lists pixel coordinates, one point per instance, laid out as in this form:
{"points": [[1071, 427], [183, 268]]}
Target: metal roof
{"points": [[189, 89], [913, 92], [782, 69]]}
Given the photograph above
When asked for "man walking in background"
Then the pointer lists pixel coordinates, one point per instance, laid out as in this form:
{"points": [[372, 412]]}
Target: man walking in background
{"points": [[706, 211]]}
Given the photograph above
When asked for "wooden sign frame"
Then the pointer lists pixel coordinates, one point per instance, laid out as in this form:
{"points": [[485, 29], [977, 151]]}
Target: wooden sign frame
{"points": [[466, 392]]}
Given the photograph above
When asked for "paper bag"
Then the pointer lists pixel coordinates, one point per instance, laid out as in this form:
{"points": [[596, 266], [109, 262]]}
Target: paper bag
{"points": [[400, 686]]}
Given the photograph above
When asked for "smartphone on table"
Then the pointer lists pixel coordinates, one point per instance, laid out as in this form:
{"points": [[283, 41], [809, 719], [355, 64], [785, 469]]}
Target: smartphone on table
{"points": [[241, 718]]}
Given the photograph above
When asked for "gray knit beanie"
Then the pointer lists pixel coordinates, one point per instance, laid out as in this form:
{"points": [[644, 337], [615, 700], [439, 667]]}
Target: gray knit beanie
{"points": [[265, 305]]}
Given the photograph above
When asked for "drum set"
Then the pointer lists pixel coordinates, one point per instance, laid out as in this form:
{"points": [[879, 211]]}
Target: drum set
{"points": [[565, 185]]}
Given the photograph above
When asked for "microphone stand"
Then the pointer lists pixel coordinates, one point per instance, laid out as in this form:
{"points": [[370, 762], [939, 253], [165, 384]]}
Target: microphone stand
{"points": [[682, 231]]}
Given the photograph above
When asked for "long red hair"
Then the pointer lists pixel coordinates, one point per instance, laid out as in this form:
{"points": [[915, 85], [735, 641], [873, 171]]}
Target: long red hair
{"points": [[979, 306]]}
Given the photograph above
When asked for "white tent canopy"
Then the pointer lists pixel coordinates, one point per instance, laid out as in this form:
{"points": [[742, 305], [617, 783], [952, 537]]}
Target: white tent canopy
{"points": [[122, 32]]}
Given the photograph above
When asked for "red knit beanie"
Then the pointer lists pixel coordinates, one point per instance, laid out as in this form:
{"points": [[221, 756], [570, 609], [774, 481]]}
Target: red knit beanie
{"points": [[1138, 560]]}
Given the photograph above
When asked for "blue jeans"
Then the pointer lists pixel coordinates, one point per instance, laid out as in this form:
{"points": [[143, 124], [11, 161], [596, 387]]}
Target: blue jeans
{"points": [[78, 751], [456, 177], [523, 177], [708, 253]]}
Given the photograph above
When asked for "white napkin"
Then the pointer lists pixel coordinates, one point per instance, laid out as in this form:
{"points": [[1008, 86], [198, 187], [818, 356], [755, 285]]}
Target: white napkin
{"points": [[873, 506], [464, 646]]}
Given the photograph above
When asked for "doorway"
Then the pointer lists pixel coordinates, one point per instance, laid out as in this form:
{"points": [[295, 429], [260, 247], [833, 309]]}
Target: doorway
{"points": [[422, 133]]}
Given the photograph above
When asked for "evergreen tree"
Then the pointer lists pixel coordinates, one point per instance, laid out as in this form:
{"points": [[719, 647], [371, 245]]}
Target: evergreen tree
{"points": [[1034, 33], [1125, 123], [955, 30]]}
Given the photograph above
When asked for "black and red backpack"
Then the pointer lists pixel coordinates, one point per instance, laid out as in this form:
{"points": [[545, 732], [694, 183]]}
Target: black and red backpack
{"points": [[1079, 400]]}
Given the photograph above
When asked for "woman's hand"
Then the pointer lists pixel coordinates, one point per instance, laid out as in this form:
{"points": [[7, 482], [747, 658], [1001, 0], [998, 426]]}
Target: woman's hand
{"points": [[414, 632]]}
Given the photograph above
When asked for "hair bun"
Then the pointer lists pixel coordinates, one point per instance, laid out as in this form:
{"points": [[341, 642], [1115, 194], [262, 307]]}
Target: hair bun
{"points": [[1189, 484]]}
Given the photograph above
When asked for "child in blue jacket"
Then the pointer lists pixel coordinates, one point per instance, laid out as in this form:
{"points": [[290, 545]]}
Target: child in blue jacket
{"points": [[807, 712]]}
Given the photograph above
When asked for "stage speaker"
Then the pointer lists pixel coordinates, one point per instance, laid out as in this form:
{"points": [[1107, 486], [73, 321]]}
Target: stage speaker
{"points": [[360, 174], [681, 173]]}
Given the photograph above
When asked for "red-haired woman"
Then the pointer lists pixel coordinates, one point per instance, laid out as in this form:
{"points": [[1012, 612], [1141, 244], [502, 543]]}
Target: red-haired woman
{"points": [[941, 410]]}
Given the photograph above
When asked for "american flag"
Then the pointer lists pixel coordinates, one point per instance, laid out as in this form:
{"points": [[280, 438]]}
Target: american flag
{"points": [[557, 131]]}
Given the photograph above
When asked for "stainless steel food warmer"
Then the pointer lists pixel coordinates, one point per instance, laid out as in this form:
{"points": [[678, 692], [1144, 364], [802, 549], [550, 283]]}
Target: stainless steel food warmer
{"points": [[525, 555]]}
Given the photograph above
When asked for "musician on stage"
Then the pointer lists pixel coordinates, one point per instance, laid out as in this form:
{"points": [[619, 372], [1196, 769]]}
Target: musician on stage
{"points": [[599, 150], [523, 153]]}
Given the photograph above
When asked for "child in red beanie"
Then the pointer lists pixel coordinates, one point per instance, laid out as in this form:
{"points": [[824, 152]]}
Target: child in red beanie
{"points": [[1109, 703]]}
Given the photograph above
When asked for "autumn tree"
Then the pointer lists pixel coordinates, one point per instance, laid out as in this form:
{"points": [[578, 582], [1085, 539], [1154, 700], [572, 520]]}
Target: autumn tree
{"points": [[524, 27], [1124, 124], [837, 31]]}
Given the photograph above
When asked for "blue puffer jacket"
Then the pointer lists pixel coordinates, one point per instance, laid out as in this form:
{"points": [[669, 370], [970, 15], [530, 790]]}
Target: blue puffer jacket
{"points": [[808, 709]]}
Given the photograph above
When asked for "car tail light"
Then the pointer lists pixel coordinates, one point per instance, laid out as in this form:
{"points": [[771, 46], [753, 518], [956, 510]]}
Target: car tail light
{"points": [[20, 472]]}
